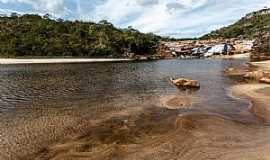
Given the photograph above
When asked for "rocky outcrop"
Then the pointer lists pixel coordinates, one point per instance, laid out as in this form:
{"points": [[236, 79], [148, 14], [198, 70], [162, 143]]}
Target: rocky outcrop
{"points": [[164, 52], [260, 75], [185, 83]]}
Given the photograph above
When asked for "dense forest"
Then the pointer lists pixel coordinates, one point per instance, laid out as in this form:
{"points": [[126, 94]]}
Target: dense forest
{"points": [[33, 35], [251, 26]]}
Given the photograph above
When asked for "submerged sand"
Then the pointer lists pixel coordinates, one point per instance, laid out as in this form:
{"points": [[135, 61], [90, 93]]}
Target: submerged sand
{"points": [[66, 60], [154, 133], [177, 102]]}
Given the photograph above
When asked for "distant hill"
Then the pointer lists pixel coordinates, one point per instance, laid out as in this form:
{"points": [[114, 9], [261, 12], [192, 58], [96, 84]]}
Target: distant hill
{"points": [[250, 26], [33, 35]]}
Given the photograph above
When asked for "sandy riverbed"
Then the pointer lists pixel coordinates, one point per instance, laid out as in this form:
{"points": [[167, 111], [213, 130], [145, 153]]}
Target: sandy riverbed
{"points": [[195, 136], [192, 136], [48, 61]]}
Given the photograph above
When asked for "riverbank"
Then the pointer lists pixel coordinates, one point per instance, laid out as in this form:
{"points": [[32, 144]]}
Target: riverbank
{"points": [[259, 93], [263, 65], [60, 60], [92, 60]]}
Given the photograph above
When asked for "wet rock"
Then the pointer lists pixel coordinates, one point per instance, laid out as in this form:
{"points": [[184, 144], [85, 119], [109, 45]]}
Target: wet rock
{"points": [[185, 83], [257, 75], [265, 80], [254, 75], [235, 72], [230, 69]]}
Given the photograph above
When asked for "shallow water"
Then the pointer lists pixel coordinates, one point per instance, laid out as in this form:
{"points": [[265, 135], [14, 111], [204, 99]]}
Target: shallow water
{"points": [[58, 96], [86, 85]]}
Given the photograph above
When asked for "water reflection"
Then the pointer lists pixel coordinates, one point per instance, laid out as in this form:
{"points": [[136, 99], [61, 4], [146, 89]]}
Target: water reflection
{"points": [[66, 85]]}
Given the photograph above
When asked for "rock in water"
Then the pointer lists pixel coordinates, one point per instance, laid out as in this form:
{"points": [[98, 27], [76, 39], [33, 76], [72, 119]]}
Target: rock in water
{"points": [[257, 75], [265, 80], [185, 83], [254, 75]]}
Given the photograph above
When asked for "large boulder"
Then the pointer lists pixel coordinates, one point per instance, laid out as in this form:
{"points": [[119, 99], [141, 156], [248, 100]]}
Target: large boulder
{"points": [[185, 83]]}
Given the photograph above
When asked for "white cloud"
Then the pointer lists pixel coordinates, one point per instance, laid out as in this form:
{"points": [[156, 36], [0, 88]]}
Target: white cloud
{"points": [[47, 6], [146, 15], [7, 11], [178, 18], [181, 18]]}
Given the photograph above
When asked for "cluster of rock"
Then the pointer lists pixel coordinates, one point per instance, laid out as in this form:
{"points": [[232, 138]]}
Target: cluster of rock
{"points": [[204, 47], [260, 75], [184, 83], [163, 51], [133, 56]]}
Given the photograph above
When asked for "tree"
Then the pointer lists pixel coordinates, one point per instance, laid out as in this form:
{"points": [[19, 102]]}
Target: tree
{"points": [[41, 36]]}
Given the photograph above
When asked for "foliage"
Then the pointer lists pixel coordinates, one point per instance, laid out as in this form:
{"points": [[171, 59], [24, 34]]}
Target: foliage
{"points": [[33, 35]]}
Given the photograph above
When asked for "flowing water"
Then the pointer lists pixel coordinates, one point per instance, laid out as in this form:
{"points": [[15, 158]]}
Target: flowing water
{"points": [[41, 104]]}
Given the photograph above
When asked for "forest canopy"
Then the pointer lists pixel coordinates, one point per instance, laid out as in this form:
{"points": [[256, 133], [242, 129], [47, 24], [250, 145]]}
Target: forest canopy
{"points": [[34, 35]]}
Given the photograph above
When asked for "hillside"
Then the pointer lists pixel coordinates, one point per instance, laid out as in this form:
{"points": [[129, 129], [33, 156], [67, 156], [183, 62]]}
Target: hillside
{"points": [[33, 35], [250, 26]]}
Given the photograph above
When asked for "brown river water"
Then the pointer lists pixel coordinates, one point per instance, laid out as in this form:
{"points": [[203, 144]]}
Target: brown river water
{"points": [[115, 110]]}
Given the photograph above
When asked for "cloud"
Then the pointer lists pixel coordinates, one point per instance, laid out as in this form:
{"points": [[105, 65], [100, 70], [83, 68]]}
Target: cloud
{"points": [[175, 6], [147, 2], [46, 6], [176, 18], [5, 12]]}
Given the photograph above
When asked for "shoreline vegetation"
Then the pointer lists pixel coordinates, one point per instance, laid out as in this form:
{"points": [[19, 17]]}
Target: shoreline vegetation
{"points": [[33, 35]]}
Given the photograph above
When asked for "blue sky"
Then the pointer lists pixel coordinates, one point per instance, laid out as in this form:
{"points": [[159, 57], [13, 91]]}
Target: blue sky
{"points": [[175, 18]]}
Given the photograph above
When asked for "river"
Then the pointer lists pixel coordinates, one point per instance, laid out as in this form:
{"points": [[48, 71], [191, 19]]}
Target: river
{"points": [[41, 104]]}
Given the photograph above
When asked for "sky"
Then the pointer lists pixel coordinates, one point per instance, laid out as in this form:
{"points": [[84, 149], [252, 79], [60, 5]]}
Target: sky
{"points": [[174, 18]]}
